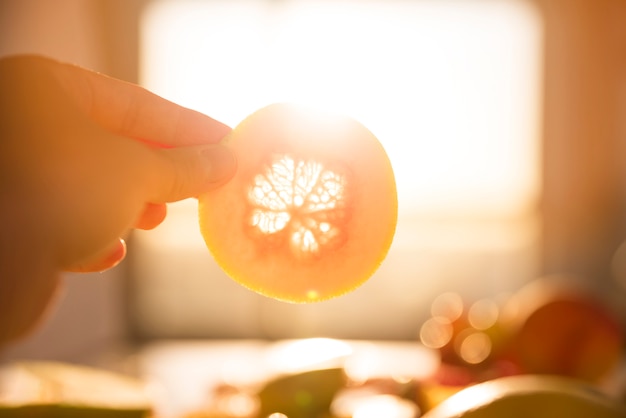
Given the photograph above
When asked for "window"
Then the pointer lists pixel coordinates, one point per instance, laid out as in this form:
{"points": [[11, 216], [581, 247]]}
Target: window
{"points": [[452, 90]]}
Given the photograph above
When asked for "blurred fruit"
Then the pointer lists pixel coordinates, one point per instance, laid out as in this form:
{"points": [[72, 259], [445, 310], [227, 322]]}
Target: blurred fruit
{"points": [[560, 329], [312, 210], [50, 390], [302, 395], [431, 394], [529, 396], [376, 406]]}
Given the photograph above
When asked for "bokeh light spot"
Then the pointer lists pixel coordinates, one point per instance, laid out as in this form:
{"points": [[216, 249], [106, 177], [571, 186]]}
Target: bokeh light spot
{"points": [[448, 305], [436, 332], [474, 348], [483, 314]]}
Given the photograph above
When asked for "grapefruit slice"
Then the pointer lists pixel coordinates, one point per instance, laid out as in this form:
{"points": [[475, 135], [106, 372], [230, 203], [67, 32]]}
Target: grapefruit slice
{"points": [[310, 213]]}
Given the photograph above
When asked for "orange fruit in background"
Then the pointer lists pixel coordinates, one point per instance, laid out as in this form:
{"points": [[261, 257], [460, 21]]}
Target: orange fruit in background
{"points": [[560, 328], [312, 210]]}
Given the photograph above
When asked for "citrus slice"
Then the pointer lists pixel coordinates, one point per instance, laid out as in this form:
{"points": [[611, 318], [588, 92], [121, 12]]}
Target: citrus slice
{"points": [[538, 396], [310, 213]]}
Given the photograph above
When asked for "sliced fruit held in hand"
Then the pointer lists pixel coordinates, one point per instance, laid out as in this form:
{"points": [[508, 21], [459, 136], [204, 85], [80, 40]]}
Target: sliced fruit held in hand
{"points": [[537, 396], [312, 209]]}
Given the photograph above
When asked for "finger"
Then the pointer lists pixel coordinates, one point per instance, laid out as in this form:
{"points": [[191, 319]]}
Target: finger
{"points": [[111, 258], [130, 110], [185, 172], [152, 216]]}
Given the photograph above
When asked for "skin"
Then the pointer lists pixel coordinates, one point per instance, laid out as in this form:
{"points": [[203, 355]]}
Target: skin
{"points": [[84, 159]]}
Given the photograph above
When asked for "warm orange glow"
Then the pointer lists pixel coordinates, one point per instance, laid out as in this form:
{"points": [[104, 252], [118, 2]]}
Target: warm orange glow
{"points": [[453, 91], [236, 404], [483, 314], [436, 332], [456, 107], [447, 305], [618, 265], [277, 415], [469, 398], [473, 347], [304, 215]]}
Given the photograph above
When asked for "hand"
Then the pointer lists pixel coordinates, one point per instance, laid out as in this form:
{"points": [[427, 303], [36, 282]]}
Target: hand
{"points": [[84, 158]]}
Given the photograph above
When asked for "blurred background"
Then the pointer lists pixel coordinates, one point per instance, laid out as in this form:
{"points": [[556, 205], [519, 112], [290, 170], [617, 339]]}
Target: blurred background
{"points": [[505, 121]]}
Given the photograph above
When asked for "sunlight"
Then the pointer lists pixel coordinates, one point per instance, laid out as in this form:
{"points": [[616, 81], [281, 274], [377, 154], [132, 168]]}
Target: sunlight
{"points": [[450, 88], [303, 198], [299, 355]]}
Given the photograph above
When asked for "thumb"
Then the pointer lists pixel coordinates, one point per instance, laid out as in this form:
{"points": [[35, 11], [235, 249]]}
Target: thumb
{"points": [[184, 172]]}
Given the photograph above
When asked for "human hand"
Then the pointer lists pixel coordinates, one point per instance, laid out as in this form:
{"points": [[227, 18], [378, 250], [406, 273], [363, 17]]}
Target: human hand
{"points": [[85, 158]]}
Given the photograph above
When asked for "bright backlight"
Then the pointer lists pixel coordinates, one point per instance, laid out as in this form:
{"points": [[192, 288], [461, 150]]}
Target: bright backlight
{"points": [[450, 88]]}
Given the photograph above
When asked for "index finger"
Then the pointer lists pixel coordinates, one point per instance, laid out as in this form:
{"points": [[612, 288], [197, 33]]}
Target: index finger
{"points": [[127, 109]]}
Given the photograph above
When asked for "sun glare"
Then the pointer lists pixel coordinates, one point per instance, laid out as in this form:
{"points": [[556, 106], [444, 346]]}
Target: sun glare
{"points": [[450, 88]]}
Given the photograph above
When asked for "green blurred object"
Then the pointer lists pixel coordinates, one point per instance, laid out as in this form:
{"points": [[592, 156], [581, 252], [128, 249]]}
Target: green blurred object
{"points": [[302, 395]]}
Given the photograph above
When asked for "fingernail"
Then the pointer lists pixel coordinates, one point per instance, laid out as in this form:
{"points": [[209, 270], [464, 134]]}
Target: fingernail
{"points": [[112, 258], [221, 163]]}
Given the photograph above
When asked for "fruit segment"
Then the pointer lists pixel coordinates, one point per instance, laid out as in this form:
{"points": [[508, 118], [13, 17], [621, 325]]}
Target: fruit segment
{"points": [[301, 203]]}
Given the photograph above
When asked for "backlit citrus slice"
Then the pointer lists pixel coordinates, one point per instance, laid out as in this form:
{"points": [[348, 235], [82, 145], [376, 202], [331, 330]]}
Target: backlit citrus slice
{"points": [[312, 209]]}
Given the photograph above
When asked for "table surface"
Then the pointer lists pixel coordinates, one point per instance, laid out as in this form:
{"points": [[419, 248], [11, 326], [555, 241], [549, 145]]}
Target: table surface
{"points": [[182, 374]]}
